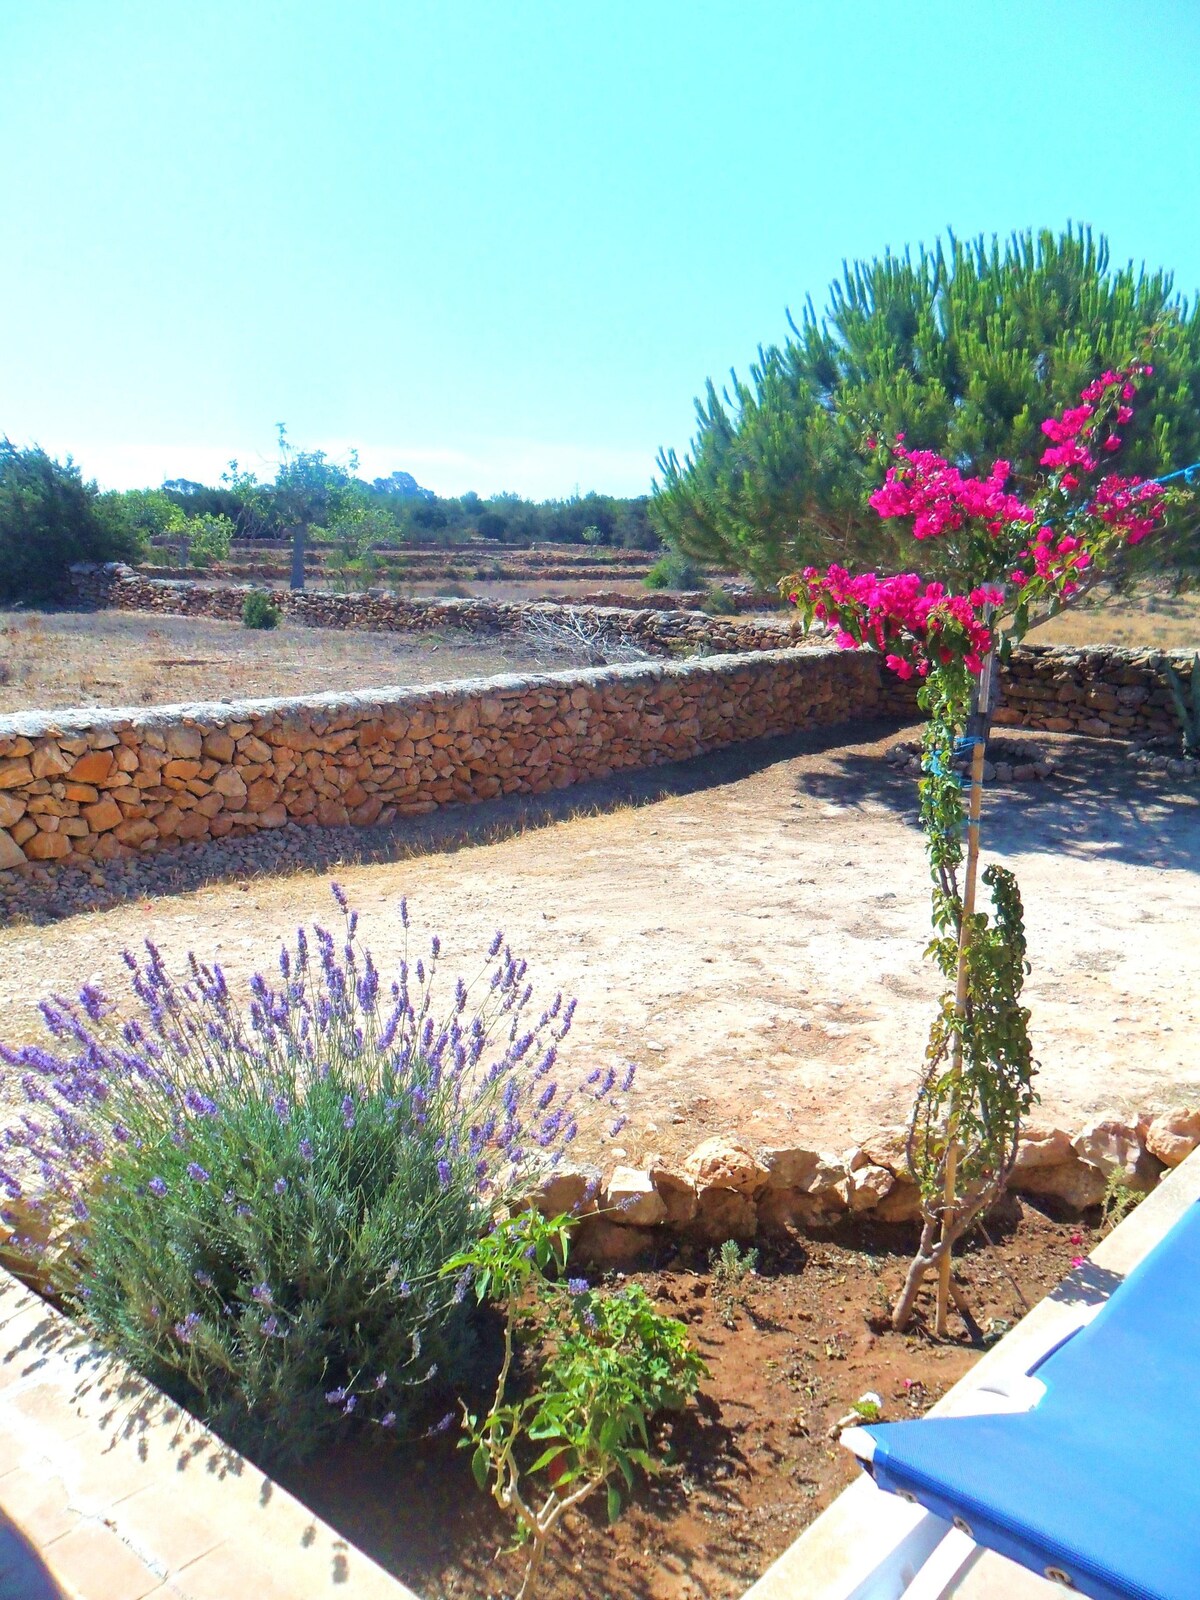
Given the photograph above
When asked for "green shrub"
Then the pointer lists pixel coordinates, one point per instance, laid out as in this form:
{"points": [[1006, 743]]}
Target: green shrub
{"points": [[259, 1197], [259, 611], [613, 1362], [50, 519], [718, 603], [208, 537], [674, 571]]}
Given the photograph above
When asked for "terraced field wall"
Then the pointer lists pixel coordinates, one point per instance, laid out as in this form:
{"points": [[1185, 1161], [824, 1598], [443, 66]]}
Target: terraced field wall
{"points": [[654, 629]]}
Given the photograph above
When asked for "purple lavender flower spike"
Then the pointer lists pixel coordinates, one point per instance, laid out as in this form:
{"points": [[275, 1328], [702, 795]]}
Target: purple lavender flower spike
{"points": [[196, 1172]]}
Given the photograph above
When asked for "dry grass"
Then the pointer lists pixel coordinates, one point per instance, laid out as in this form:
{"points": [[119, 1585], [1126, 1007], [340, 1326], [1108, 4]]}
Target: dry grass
{"points": [[50, 659], [1151, 620]]}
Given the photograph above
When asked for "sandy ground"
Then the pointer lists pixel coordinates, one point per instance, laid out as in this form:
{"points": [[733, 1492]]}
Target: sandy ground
{"points": [[748, 927]]}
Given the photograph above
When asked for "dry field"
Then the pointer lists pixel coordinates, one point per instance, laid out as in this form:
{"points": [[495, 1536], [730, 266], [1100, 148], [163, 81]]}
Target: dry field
{"points": [[108, 658], [748, 927], [1161, 621]]}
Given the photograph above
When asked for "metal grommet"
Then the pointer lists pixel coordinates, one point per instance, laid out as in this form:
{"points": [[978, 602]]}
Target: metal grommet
{"points": [[964, 1527], [907, 1494], [1057, 1575]]}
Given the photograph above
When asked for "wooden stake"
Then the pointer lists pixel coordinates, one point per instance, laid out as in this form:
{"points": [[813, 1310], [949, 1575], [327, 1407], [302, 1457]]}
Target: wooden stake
{"points": [[977, 725]]}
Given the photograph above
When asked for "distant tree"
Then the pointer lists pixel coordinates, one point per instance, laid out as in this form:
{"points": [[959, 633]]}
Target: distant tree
{"points": [[491, 525], [964, 350], [402, 486], [147, 514], [49, 519]]}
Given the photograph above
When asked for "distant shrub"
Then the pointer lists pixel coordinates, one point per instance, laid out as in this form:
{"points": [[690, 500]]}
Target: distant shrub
{"points": [[718, 603], [207, 537], [50, 519], [259, 610], [674, 571], [258, 1198]]}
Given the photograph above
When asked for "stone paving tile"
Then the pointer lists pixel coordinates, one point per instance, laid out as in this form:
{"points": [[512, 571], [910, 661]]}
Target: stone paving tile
{"points": [[93, 1564], [38, 1503], [164, 1521]]}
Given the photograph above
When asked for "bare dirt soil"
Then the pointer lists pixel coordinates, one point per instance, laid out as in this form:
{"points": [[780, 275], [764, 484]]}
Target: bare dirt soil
{"points": [[790, 1349], [122, 658], [748, 927]]}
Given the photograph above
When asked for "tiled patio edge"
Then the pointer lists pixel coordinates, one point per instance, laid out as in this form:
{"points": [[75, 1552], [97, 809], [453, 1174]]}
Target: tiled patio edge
{"points": [[124, 1496]]}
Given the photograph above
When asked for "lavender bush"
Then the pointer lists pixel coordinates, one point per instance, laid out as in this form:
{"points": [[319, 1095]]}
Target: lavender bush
{"points": [[253, 1202]]}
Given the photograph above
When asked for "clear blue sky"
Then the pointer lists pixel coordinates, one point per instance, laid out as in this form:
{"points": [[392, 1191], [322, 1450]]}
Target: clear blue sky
{"points": [[502, 245]]}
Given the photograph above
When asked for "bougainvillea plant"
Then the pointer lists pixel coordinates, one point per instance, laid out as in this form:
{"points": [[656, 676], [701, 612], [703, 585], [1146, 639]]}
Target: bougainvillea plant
{"points": [[1006, 560]]}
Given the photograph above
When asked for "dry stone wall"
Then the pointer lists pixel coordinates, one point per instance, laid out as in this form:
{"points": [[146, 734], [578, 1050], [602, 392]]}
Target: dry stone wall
{"points": [[1109, 693], [1105, 692], [660, 632], [80, 785]]}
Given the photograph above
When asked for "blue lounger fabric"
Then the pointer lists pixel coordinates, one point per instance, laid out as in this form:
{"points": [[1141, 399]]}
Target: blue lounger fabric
{"points": [[1101, 1479]]}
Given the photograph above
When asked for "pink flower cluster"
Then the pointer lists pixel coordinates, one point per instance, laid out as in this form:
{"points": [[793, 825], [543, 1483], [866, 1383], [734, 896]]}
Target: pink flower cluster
{"points": [[1131, 505], [1056, 559], [1073, 436], [909, 621], [939, 499]]}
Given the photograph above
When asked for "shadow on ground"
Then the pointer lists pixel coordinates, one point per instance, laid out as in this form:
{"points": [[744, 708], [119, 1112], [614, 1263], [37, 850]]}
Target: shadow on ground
{"points": [[1098, 804], [295, 849]]}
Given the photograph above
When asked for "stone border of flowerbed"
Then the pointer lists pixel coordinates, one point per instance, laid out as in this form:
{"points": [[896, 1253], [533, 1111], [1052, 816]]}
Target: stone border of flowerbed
{"points": [[729, 1189]]}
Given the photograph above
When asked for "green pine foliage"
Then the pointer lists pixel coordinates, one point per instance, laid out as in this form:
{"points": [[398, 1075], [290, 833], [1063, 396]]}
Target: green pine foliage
{"points": [[965, 348]]}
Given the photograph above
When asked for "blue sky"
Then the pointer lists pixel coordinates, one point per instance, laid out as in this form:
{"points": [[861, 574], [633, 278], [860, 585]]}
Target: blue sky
{"points": [[501, 246]]}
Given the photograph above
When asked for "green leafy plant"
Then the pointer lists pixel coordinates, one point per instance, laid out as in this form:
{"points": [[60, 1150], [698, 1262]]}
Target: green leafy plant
{"points": [[1117, 1201], [206, 537], [1186, 705], [731, 1266], [259, 611], [51, 518], [675, 571], [718, 603], [964, 346], [613, 1362]]}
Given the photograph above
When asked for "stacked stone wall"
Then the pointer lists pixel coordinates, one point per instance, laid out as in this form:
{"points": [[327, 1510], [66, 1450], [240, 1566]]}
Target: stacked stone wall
{"points": [[659, 632], [79, 785]]}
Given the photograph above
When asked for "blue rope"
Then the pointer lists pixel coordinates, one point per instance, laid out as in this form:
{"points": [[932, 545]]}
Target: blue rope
{"points": [[1187, 473]]}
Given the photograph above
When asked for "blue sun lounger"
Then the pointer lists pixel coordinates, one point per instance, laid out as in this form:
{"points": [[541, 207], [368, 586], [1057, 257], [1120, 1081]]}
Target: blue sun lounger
{"points": [[1097, 1486]]}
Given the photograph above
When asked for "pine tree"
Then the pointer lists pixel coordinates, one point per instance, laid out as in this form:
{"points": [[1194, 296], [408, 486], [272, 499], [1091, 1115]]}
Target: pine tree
{"points": [[964, 349]]}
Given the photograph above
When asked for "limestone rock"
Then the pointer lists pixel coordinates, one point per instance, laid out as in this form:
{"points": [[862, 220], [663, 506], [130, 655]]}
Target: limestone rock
{"points": [[15, 774], [724, 1214], [1076, 1183], [1041, 1146], [631, 1199], [791, 1167], [12, 808], [566, 1189], [867, 1185], [184, 742], [11, 854], [1173, 1136], [1116, 1148], [678, 1194], [726, 1164]]}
